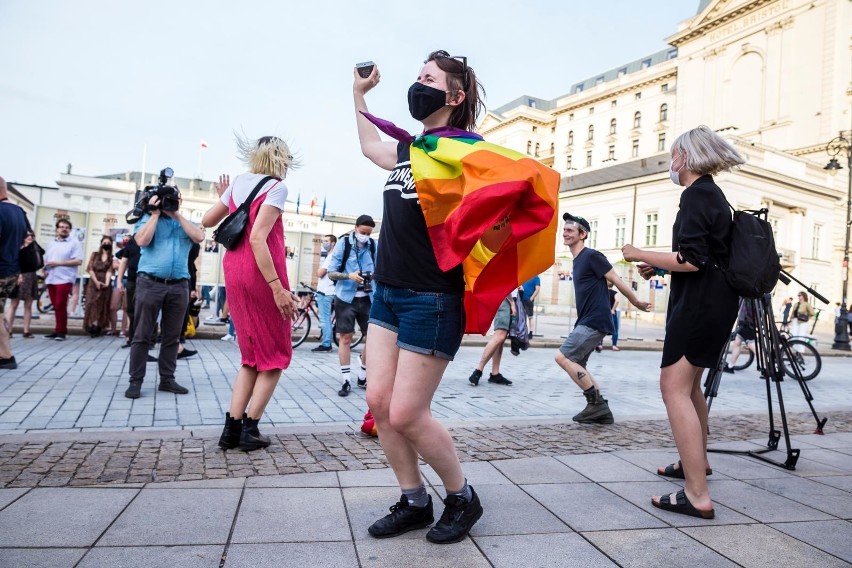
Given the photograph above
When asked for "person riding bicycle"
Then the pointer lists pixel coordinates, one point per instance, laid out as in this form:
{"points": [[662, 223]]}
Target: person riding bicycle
{"points": [[745, 333]]}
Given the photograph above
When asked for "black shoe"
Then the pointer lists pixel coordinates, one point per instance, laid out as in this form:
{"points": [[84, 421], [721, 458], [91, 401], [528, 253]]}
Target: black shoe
{"points": [[344, 390], [152, 359], [230, 437], [458, 518], [134, 390], [171, 385], [599, 348], [9, 363], [250, 437], [499, 379], [186, 353], [362, 383], [126, 345], [51, 336], [727, 369], [596, 412], [474, 377], [60, 337], [402, 518], [321, 349]]}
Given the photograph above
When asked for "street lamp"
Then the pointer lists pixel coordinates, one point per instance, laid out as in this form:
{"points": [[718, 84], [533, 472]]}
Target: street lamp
{"points": [[834, 148]]}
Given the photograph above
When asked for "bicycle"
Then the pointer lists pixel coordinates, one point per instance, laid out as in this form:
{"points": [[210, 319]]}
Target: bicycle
{"points": [[804, 355], [302, 324], [43, 303]]}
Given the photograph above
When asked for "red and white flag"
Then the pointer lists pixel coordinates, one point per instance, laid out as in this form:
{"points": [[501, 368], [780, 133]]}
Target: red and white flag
{"points": [[203, 144]]}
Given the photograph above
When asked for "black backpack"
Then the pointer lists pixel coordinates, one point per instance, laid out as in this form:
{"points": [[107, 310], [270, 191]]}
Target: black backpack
{"points": [[753, 265], [347, 248]]}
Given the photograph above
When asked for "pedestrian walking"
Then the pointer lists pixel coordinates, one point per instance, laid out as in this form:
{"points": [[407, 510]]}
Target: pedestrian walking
{"points": [[27, 292], [13, 233], [494, 349], [802, 312], [531, 289], [260, 303], [96, 316], [61, 259], [325, 294], [701, 311]]}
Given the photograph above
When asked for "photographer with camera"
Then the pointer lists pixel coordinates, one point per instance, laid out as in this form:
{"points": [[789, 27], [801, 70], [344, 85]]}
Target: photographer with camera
{"points": [[164, 237], [352, 270]]}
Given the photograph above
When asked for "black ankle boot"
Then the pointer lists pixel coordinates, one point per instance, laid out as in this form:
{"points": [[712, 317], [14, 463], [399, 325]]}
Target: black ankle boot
{"points": [[251, 438], [230, 437]]}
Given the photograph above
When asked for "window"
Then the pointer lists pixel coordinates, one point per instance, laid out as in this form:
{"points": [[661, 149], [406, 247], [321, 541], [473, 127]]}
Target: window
{"points": [[591, 132], [537, 146], [672, 53], [535, 128], [571, 116], [664, 112], [622, 72], [592, 241], [569, 160], [570, 137], [612, 126], [620, 228], [553, 130], [591, 110], [529, 146], [588, 158], [646, 63], [637, 96], [613, 104], [634, 152], [578, 88], [664, 87], [661, 142], [531, 103], [611, 153], [637, 119], [552, 148], [815, 241], [651, 229], [775, 222], [599, 80]]}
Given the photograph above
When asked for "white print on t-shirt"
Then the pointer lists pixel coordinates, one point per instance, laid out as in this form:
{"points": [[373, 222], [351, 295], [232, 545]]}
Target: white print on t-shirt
{"points": [[401, 180]]}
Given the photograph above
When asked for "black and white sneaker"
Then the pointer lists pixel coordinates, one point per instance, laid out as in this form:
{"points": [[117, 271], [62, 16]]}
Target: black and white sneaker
{"points": [[344, 390], [474, 377], [499, 379], [362, 383], [402, 518], [458, 518]]}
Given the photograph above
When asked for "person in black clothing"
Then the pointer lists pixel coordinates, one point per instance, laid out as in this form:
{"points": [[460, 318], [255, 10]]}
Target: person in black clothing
{"points": [[13, 231], [128, 258], [183, 352], [702, 307]]}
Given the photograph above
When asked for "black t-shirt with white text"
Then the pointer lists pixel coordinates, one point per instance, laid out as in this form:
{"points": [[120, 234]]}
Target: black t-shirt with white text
{"points": [[404, 257], [591, 292]]}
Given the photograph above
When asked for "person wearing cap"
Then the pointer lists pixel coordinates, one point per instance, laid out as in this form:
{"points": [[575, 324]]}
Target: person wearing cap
{"points": [[592, 271], [351, 268]]}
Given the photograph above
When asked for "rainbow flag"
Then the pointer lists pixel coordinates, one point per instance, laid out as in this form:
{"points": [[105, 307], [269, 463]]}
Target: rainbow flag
{"points": [[487, 207]]}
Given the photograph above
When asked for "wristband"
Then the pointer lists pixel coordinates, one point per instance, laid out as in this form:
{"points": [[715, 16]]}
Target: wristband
{"points": [[273, 280]]}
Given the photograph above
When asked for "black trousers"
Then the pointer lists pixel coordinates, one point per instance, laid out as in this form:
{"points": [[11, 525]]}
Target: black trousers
{"points": [[151, 299]]}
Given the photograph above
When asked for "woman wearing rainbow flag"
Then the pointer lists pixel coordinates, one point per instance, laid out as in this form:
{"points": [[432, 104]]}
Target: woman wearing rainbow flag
{"points": [[464, 222]]}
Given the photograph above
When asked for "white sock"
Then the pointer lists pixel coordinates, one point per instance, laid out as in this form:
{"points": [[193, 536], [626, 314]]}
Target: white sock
{"points": [[344, 372], [362, 373]]}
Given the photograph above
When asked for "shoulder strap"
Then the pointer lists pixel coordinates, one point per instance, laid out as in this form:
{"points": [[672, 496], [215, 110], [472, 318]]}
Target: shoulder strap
{"points": [[373, 249], [347, 247], [247, 203]]}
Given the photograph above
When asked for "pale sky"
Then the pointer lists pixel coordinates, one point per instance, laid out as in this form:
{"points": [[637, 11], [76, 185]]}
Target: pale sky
{"points": [[92, 83]]}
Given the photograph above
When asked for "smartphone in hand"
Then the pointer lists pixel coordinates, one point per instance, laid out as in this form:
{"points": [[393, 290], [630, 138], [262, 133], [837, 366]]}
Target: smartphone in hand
{"points": [[365, 68]]}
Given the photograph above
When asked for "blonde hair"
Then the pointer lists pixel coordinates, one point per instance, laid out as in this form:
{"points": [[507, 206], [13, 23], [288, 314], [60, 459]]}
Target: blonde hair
{"points": [[268, 155], [706, 152]]}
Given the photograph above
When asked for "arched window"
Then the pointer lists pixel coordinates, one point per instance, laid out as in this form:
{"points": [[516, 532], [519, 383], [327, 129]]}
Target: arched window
{"points": [[664, 112], [537, 145], [637, 119], [591, 132], [570, 137], [529, 146], [612, 126]]}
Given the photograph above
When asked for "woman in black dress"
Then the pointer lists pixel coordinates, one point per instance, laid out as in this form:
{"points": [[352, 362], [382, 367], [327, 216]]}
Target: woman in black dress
{"points": [[702, 307]]}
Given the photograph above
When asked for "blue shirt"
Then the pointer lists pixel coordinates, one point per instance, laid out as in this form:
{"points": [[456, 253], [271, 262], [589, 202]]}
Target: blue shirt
{"points": [[529, 287], [167, 253], [590, 289], [13, 231], [360, 260]]}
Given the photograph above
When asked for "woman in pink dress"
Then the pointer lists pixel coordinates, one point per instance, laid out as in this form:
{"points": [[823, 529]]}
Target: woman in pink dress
{"points": [[259, 296]]}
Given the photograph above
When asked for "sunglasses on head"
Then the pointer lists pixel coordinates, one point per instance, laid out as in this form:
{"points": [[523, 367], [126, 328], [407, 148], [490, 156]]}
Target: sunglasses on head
{"points": [[441, 54]]}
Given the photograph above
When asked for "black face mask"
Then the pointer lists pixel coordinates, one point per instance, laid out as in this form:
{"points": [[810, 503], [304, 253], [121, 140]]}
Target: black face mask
{"points": [[106, 246], [423, 100]]}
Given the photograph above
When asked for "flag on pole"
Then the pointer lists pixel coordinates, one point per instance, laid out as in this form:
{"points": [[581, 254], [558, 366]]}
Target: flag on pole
{"points": [[298, 199], [322, 215], [203, 144], [313, 203]]}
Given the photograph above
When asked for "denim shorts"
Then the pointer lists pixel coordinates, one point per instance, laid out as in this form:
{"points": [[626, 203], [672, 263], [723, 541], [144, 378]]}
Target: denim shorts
{"points": [[580, 343], [431, 323]]}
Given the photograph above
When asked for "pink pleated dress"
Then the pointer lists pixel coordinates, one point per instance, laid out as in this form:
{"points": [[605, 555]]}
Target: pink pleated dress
{"points": [[263, 334]]}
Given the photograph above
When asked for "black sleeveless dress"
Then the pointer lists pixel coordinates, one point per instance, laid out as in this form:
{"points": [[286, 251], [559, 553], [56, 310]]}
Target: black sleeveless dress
{"points": [[702, 306]]}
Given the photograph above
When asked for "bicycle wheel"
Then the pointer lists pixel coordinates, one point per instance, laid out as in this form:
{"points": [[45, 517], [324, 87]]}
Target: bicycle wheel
{"points": [[301, 328], [745, 359], [43, 304], [357, 336], [807, 361]]}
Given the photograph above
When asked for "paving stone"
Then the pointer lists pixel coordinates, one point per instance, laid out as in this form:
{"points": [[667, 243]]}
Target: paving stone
{"points": [[325, 479], [291, 515], [61, 517], [368, 478], [759, 546], [510, 510], [313, 554], [9, 495], [477, 473], [168, 517], [541, 551], [764, 506], [40, 557], [811, 493], [843, 482], [538, 470], [834, 537], [365, 505], [405, 552], [148, 556], [650, 547], [606, 467]]}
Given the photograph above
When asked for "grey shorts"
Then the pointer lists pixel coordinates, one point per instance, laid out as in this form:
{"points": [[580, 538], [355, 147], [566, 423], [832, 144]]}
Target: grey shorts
{"points": [[580, 343], [503, 318]]}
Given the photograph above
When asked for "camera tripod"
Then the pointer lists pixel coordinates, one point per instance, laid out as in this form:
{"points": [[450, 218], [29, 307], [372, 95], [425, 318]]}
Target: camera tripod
{"points": [[773, 353]]}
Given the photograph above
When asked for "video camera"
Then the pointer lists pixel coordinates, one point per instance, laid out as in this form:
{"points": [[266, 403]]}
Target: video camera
{"points": [[169, 196], [367, 286]]}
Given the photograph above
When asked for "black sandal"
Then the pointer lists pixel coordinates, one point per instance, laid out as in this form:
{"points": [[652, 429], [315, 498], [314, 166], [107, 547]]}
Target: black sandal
{"points": [[677, 472], [682, 506]]}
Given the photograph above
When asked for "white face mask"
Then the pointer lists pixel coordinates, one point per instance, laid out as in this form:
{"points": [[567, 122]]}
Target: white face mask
{"points": [[325, 247], [362, 238], [674, 174]]}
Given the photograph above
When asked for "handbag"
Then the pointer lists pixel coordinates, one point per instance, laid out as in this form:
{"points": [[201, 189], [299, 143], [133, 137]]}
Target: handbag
{"points": [[232, 227], [802, 317], [31, 257]]}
